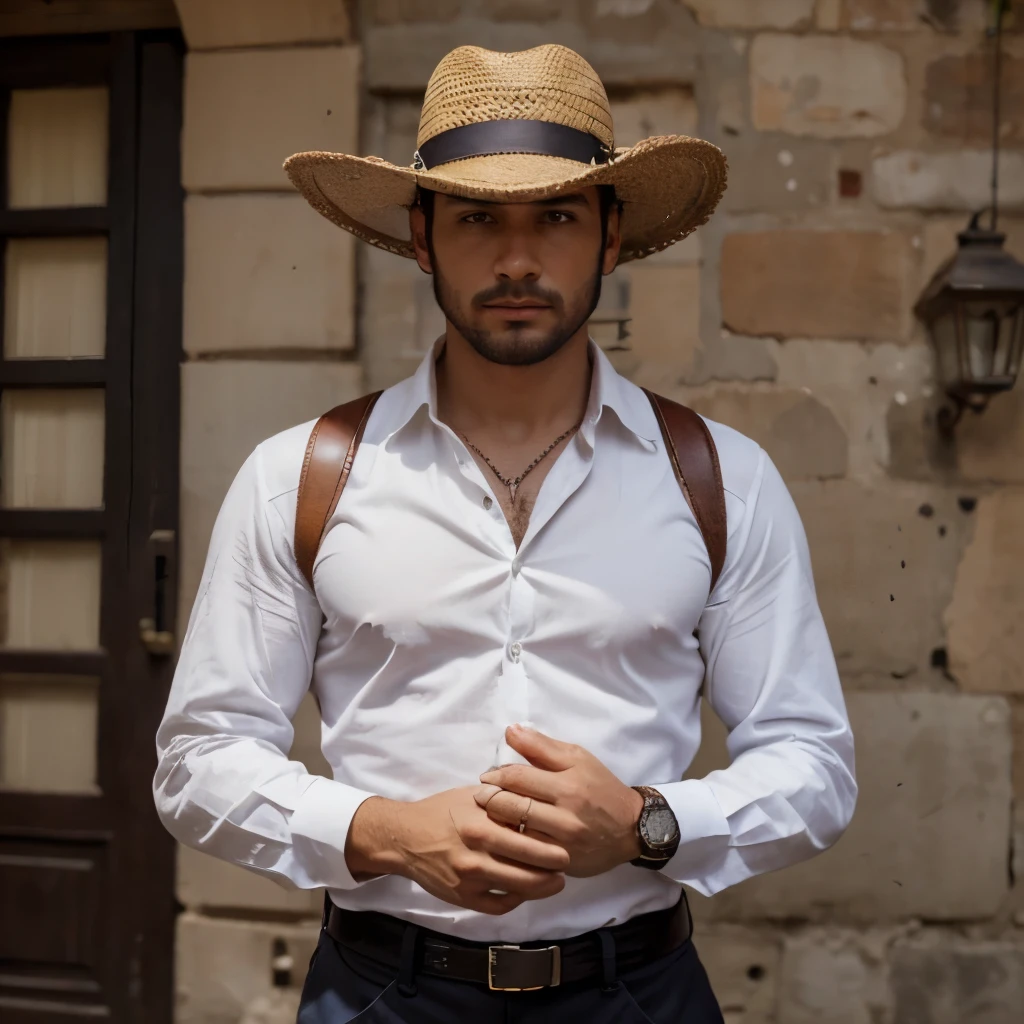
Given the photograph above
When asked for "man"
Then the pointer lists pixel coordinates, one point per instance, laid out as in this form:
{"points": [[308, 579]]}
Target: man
{"points": [[511, 547]]}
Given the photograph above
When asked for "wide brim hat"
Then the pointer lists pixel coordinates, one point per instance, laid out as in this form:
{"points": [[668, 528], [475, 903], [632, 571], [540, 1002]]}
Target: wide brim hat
{"points": [[519, 127]]}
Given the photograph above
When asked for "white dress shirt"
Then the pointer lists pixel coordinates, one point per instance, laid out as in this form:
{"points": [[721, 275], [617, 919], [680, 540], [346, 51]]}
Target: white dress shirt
{"points": [[437, 633]]}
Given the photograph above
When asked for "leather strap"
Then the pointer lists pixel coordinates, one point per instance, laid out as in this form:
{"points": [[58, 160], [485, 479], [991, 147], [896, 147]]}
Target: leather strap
{"points": [[511, 135], [335, 439], [694, 457], [637, 942], [330, 453]]}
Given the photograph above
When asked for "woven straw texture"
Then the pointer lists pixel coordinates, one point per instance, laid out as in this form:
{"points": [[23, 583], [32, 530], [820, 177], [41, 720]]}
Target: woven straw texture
{"points": [[668, 185]]}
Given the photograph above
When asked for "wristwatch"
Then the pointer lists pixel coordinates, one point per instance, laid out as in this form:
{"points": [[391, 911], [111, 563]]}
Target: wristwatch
{"points": [[657, 830]]}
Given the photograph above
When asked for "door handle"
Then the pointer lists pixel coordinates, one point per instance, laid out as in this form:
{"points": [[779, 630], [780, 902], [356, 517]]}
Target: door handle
{"points": [[153, 632]]}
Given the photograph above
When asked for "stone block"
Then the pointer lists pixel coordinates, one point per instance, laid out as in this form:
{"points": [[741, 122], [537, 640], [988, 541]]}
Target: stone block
{"points": [[401, 12], [801, 435], [266, 272], [773, 173], [962, 982], [957, 180], [228, 407], [833, 975], [664, 330], [958, 98], [224, 966], [884, 559], [826, 86], [860, 385], [818, 284], [630, 43], [1018, 756], [931, 833], [743, 968], [205, 882], [986, 638], [881, 15], [247, 111], [733, 357], [669, 111], [521, 10], [235, 23], [752, 13], [907, 15], [990, 448]]}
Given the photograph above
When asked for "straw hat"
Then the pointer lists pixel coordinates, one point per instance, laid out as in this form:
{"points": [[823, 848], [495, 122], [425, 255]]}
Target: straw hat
{"points": [[516, 127]]}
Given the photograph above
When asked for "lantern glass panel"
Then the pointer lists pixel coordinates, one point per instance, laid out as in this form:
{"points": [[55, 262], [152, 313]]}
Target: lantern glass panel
{"points": [[989, 333], [944, 334]]}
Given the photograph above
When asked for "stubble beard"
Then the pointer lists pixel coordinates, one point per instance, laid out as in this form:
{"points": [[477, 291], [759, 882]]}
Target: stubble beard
{"points": [[513, 346]]}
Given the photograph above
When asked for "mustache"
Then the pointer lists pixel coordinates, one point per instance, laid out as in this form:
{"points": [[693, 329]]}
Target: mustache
{"points": [[517, 291]]}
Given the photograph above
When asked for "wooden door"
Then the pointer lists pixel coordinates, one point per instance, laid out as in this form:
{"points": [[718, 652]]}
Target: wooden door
{"points": [[90, 230]]}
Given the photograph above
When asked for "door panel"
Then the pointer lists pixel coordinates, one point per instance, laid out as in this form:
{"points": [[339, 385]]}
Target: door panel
{"points": [[58, 144], [48, 734], [51, 446], [55, 298], [89, 192], [52, 594]]}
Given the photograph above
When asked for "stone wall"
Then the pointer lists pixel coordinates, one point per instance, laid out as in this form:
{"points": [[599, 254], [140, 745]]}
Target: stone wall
{"points": [[856, 132]]}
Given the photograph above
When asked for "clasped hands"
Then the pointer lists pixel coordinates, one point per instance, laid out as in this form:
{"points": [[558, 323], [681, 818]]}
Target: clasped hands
{"points": [[465, 846], [567, 797]]}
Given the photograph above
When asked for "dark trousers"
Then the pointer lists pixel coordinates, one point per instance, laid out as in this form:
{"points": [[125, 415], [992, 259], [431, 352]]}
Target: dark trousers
{"points": [[343, 986]]}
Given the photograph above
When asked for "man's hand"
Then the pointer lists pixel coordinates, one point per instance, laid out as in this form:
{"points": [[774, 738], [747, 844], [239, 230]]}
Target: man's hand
{"points": [[577, 802], [449, 846]]}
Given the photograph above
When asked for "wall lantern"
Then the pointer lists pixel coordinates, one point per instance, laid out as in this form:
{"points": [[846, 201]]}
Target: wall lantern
{"points": [[974, 305]]}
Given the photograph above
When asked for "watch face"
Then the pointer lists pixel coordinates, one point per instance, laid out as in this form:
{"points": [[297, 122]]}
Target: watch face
{"points": [[660, 829]]}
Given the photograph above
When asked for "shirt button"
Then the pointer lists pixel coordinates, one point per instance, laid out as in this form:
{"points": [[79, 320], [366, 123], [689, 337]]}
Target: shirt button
{"points": [[487, 501], [516, 566], [515, 650]]}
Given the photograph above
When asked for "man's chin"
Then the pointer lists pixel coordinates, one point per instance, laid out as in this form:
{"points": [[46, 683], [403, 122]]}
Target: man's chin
{"points": [[517, 345]]}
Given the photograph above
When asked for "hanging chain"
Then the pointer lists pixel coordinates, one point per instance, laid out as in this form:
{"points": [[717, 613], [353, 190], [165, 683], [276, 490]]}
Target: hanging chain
{"points": [[513, 485]]}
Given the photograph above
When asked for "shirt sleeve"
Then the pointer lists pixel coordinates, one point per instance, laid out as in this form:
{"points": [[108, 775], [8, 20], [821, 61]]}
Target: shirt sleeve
{"points": [[771, 677], [224, 783]]}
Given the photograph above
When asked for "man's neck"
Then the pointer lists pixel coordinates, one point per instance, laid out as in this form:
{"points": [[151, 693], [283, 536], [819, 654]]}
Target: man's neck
{"points": [[512, 404]]}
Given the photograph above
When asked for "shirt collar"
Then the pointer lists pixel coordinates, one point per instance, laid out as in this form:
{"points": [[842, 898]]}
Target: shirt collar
{"points": [[608, 389]]}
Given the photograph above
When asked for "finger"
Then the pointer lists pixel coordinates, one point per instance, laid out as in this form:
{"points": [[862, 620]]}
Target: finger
{"points": [[510, 808], [515, 878], [485, 794], [541, 750], [526, 780], [530, 849], [494, 904], [485, 836]]}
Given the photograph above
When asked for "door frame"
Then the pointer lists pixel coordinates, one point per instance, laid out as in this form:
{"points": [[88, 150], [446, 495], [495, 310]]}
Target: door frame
{"points": [[139, 521]]}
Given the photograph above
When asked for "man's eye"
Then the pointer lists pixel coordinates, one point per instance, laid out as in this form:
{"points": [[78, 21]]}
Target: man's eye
{"points": [[476, 218], [559, 217]]}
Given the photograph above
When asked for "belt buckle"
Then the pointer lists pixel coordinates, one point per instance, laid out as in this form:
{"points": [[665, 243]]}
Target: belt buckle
{"points": [[493, 953]]}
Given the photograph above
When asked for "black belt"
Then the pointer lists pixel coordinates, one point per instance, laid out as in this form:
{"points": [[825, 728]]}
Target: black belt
{"points": [[508, 968]]}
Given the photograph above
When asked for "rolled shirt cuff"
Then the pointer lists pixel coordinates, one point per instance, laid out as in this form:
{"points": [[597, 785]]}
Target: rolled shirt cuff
{"points": [[319, 827]]}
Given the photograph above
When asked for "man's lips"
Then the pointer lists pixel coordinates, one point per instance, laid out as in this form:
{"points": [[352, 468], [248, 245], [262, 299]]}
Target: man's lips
{"points": [[517, 310]]}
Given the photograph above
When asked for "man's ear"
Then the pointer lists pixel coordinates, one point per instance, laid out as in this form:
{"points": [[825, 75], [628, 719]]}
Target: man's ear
{"points": [[418, 229], [613, 240]]}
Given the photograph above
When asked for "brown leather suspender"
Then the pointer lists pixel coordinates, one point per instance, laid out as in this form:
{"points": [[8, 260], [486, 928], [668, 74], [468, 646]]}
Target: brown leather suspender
{"points": [[336, 436], [325, 469]]}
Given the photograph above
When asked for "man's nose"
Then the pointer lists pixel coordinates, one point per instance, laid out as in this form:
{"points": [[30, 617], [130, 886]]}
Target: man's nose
{"points": [[517, 260]]}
